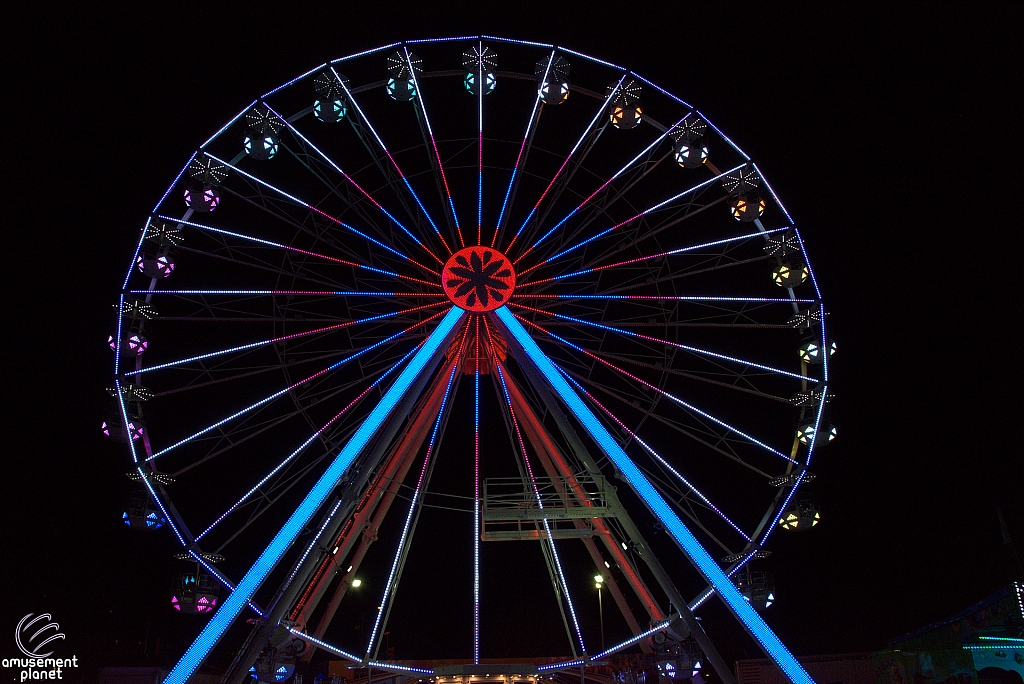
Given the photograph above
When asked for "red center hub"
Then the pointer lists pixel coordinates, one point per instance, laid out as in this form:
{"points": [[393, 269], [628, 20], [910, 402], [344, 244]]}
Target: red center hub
{"points": [[478, 279]]}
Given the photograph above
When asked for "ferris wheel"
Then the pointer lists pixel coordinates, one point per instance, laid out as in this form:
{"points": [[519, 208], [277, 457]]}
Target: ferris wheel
{"points": [[353, 271]]}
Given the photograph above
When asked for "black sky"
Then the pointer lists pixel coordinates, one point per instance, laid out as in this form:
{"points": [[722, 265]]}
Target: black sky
{"points": [[891, 132]]}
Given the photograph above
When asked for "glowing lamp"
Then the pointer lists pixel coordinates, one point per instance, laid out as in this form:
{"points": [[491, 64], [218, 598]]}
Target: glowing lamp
{"points": [[746, 206]]}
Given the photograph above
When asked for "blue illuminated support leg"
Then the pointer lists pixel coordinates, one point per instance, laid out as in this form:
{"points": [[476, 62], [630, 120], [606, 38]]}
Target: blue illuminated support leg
{"points": [[531, 354], [421, 363]]}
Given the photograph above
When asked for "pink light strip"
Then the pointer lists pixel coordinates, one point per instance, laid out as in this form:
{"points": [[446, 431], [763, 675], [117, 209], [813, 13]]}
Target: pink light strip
{"points": [[655, 454], [263, 343], [657, 206], [684, 347], [289, 388], [278, 245], [600, 112], [312, 438]]}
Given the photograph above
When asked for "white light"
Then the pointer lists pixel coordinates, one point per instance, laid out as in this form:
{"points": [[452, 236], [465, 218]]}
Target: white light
{"points": [[333, 552], [598, 579], [607, 565], [356, 583], [624, 547], [349, 568]]}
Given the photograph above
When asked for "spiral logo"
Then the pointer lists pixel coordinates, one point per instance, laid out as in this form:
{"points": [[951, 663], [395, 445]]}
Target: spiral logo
{"points": [[31, 636]]}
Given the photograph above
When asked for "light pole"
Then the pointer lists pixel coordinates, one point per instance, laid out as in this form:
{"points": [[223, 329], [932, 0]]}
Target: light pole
{"points": [[599, 583]]}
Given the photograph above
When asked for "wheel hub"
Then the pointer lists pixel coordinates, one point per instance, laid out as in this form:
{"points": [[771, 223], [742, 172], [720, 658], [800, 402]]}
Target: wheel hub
{"points": [[478, 279]]}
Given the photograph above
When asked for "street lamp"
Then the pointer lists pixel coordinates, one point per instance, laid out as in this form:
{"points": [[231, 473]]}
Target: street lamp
{"points": [[599, 583], [356, 582]]}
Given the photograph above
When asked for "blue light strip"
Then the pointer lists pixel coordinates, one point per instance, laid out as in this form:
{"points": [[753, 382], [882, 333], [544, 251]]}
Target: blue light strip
{"points": [[776, 197], [526, 137], [679, 250], [655, 454], [629, 642], [663, 393], [384, 147], [440, 40], [433, 142], [753, 622], [358, 187], [592, 59], [263, 343], [225, 126], [234, 604], [520, 42], [663, 91], [723, 136], [138, 247], [551, 183], [605, 184], [287, 389], [476, 498], [271, 243]]}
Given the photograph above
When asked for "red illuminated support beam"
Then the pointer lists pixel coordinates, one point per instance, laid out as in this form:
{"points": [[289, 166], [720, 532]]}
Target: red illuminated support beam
{"points": [[556, 465], [379, 498]]}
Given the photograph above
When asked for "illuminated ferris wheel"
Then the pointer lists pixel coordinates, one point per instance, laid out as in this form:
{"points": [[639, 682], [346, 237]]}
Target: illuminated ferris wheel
{"points": [[571, 306]]}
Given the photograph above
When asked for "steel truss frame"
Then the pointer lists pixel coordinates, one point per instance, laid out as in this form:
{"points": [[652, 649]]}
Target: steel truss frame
{"points": [[356, 490]]}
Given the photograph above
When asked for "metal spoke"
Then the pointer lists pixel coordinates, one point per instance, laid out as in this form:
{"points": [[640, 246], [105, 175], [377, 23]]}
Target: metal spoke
{"points": [[401, 175]]}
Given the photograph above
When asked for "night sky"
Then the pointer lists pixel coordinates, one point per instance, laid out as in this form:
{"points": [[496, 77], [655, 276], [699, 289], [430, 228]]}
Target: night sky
{"points": [[887, 131]]}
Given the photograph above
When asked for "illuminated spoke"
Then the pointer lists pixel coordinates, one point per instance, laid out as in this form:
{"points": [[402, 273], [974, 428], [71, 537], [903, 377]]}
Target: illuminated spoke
{"points": [[312, 438], [645, 212], [540, 505], [398, 169], [325, 215], [289, 388], [671, 252], [660, 459], [353, 183], [594, 194], [597, 117], [414, 506], [513, 181], [655, 388], [433, 144], [263, 343], [476, 491], [311, 293], [684, 347]]}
